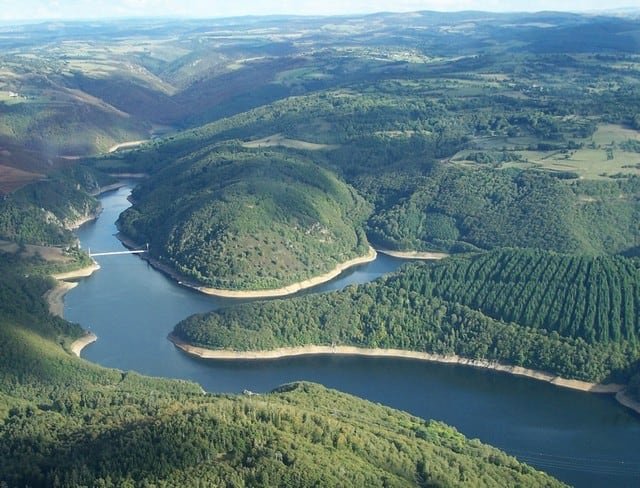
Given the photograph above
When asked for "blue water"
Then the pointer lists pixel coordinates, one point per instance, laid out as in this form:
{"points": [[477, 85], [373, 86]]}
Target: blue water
{"points": [[583, 439]]}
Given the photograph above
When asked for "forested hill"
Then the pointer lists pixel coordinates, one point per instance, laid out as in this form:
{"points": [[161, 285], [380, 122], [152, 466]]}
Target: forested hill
{"points": [[65, 422], [456, 156], [456, 209], [43, 212], [430, 308], [235, 218]]}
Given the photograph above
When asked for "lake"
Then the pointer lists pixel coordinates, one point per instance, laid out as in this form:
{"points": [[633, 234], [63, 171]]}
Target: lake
{"points": [[583, 439]]}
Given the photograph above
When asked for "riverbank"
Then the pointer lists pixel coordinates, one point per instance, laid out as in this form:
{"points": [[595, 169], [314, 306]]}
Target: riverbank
{"points": [[628, 402], [106, 188], [129, 175], [94, 215], [77, 273], [78, 345], [294, 287], [83, 220], [55, 301], [424, 255], [286, 352], [55, 297], [272, 293]]}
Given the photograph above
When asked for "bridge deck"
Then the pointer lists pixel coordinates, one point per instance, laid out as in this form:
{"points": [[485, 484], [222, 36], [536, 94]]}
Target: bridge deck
{"points": [[114, 253]]}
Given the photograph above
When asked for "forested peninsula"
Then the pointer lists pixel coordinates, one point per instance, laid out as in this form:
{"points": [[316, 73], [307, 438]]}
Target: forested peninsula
{"points": [[66, 422], [243, 220], [574, 317], [274, 152]]}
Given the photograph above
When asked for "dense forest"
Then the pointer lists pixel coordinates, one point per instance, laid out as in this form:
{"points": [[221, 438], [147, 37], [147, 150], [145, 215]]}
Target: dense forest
{"points": [[44, 212], [65, 422], [451, 162], [593, 298], [420, 309], [236, 218], [510, 141], [464, 210]]}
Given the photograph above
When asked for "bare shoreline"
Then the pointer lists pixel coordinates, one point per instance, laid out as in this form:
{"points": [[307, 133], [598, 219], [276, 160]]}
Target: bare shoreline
{"points": [[294, 287], [425, 255], [272, 293], [55, 301], [77, 273], [78, 345], [106, 188], [93, 216], [83, 220], [129, 175], [628, 402], [55, 297], [284, 352]]}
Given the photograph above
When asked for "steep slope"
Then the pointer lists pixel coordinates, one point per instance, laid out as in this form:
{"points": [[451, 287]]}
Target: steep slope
{"points": [[234, 218], [413, 310], [45, 211], [593, 298], [66, 422]]}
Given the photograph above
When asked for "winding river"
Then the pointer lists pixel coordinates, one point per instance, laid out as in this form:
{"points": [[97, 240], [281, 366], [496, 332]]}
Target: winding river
{"points": [[583, 439]]}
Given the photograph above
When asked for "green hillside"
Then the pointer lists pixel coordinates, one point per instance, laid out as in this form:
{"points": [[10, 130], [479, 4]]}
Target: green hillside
{"points": [[479, 168], [457, 209], [44, 212], [235, 218], [404, 311], [65, 422], [593, 298]]}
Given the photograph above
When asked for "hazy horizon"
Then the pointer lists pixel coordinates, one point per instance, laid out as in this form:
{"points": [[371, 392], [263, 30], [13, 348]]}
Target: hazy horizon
{"points": [[38, 10]]}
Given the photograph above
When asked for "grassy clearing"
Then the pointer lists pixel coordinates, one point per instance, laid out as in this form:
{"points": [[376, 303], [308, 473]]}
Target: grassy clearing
{"points": [[48, 253], [608, 134], [292, 76], [12, 178], [280, 140], [601, 156]]}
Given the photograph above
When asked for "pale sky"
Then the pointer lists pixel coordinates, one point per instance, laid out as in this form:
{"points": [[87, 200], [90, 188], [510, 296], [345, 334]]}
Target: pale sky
{"points": [[92, 9]]}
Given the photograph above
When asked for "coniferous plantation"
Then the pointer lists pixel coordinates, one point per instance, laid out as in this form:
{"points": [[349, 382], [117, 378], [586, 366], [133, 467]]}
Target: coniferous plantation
{"points": [[270, 151], [421, 309]]}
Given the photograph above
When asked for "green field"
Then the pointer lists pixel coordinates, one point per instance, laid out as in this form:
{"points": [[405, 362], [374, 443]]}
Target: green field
{"points": [[601, 156]]}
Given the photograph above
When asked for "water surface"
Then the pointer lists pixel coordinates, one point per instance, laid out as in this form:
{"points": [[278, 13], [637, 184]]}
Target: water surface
{"points": [[583, 439]]}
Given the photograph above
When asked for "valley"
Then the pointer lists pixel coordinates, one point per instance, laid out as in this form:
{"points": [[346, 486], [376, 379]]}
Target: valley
{"points": [[497, 153]]}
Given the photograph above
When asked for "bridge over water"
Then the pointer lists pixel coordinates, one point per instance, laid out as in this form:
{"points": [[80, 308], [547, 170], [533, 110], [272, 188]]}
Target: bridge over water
{"points": [[114, 253]]}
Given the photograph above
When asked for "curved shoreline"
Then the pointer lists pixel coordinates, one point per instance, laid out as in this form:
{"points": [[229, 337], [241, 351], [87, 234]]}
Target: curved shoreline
{"points": [[286, 352], [129, 175], [270, 293], [294, 287], [55, 301], [628, 402], [78, 345], [106, 188], [77, 273], [82, 220], [55, 297], [423, 255]]}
